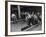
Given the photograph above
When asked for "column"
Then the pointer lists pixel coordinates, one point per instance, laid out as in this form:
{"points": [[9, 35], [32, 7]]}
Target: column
{"points": [[19, 11]]}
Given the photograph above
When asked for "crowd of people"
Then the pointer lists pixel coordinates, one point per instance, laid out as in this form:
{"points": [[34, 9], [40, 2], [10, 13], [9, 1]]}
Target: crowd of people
{"points": [[31, 19]]}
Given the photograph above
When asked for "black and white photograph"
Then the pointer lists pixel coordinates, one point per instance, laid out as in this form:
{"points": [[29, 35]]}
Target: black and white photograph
{"points": [[25, 18]]}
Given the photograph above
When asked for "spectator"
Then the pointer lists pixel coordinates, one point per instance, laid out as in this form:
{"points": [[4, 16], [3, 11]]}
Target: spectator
{"points": [[13, 16]]}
